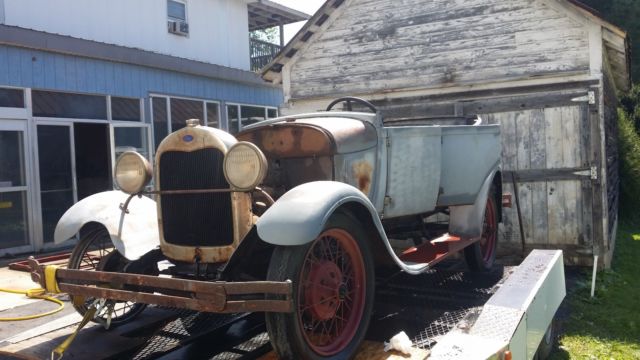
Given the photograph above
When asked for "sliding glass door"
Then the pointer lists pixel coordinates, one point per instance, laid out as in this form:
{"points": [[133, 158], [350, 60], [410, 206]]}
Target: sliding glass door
{"points": [[14, 187]]}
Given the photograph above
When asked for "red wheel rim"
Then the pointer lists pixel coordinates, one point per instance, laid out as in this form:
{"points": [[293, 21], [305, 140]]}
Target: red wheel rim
{"points": [[331, 294], [489, 232]]}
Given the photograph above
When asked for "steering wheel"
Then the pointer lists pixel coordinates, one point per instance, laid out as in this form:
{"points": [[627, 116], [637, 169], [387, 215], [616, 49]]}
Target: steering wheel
{"points": [[349, 100]]}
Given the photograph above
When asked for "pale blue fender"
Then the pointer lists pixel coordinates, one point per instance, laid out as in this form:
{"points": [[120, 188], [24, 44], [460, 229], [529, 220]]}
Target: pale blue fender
{"points": [[299, 216], [133, 234], [467, 221]]}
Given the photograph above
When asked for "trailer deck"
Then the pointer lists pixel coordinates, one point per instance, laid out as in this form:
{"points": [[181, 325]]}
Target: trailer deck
{"points": [[427, 307]]}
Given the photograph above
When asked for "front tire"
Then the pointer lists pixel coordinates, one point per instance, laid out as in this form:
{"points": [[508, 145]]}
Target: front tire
{"points": [[95, 252], [333, 289]]}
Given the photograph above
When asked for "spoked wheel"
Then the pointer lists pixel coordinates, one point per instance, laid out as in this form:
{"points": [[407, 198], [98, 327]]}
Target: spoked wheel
{"points": [[95, 252], [481, 255], [333, 287]]}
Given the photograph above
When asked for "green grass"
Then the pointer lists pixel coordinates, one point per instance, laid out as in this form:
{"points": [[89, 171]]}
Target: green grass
{"points": [[607, 326]]}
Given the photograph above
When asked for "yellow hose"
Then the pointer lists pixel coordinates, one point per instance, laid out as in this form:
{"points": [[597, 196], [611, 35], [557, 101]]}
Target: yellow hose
{"points": [[33, 294]]}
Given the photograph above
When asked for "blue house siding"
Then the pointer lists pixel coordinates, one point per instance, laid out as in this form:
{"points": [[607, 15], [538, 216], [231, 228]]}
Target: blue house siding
{"points": [[23, 67]]}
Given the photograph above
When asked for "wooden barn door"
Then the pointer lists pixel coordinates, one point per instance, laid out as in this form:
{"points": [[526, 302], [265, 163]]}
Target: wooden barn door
{"points": [[547, 150]]}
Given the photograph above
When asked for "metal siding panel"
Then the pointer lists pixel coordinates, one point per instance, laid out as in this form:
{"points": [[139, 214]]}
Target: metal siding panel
{"points": [[13, 64], [59, 72], [81, 75], [71, 74], [4, 65], [91, 82], [49, 70], [26, 71], [38, 70]]}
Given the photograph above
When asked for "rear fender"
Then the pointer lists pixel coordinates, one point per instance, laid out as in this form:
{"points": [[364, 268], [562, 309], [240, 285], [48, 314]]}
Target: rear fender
{"points": [[466, 221], [300, 215], [133, 234]]}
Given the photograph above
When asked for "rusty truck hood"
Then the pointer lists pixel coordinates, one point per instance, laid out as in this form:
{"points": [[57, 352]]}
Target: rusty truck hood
{"points": [[312, 136]]}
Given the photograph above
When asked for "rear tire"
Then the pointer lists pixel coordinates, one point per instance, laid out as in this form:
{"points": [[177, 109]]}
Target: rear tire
{"points": [[95, 252], [333, 290], [481, 255]]}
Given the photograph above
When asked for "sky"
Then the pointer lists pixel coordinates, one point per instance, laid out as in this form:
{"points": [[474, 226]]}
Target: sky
{"points": [[306, 6]]}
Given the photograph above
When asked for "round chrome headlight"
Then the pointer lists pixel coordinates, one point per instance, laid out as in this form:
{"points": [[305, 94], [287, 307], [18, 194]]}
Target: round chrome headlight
{"points": [[132, 172], [245, 166]]}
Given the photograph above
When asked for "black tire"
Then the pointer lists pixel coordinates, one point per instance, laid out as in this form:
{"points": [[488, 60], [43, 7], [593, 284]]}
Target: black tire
{"points": [[93, 245], [294, 335], [481, 255]]}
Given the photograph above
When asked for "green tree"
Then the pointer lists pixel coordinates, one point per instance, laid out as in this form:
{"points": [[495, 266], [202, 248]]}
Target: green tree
{"points": [[270, 35]]}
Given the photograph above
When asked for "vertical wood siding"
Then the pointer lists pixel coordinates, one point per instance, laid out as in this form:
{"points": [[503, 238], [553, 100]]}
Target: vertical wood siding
{"points": [[44, 70], [379, 45], [553, 212]]}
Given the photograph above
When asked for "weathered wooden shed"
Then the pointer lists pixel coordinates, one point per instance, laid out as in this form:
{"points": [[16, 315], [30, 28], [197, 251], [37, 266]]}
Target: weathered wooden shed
{"points": [[548, 71]]}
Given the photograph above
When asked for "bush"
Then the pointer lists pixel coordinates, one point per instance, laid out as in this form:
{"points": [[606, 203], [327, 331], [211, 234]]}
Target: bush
{"points": [[629, 147], [630, 103]]}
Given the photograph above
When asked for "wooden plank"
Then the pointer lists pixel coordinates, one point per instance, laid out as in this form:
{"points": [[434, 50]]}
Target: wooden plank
{"points": [[571, 158], [370, 350], [554, 159], [509, 162], [523, 145], [540, 210]]}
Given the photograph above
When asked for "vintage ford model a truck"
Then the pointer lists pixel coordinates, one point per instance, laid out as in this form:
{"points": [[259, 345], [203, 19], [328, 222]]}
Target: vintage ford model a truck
{"points": [[291, 217]]}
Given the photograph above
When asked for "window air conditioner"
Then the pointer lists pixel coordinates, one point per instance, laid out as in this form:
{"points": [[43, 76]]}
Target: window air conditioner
{"points": [[178, 27]]}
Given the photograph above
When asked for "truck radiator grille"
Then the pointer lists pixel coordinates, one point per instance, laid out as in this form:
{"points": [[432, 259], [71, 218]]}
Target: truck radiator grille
{"points": [[195, 219]]}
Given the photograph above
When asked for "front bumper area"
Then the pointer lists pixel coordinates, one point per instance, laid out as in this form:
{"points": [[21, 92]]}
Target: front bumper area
{"points": [[216, 297]]}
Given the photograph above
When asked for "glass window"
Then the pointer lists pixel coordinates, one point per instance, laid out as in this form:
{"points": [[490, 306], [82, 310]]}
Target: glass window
{"points": [[11, 159], [13, 219], [126, 109], [183, 110], [213, 115], [272, 113], [56, 182], [65, 105], [232, 116], [251, 115], [160, 119], [11, 98], [176, 10], [131, 139]]}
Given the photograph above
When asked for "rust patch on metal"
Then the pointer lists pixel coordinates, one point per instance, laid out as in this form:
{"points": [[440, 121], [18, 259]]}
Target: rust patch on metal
{"points": [[362, 171], [284, 141], [218, 297]]}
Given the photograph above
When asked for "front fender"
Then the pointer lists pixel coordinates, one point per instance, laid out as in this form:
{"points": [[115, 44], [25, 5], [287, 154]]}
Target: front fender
{"points": [[133, 234], [299, 216]]}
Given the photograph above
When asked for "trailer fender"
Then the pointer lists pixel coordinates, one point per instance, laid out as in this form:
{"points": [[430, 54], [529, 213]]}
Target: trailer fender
{"points": [[133, 233], [466, 221]]}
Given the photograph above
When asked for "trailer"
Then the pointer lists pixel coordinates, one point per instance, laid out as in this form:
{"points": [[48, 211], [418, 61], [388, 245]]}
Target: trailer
{"points": [[448, 312]]}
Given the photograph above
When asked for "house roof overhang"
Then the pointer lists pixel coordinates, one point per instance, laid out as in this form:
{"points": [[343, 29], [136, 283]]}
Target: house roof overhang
{"points": [[264, 14]]}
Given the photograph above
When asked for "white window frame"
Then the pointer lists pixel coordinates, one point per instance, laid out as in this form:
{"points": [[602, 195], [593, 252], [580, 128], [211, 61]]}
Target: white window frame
{"points": [[22, 125], [240, 105], [140, 106], [205, 120], [88, 120], [186, 11]]}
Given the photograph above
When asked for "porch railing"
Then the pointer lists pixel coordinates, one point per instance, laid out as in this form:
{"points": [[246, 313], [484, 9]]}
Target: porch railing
{"points": [[262, 53]]}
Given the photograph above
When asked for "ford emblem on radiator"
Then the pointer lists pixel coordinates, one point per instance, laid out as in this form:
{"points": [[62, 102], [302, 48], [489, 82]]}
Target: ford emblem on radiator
{"points": [[187, 138]]}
